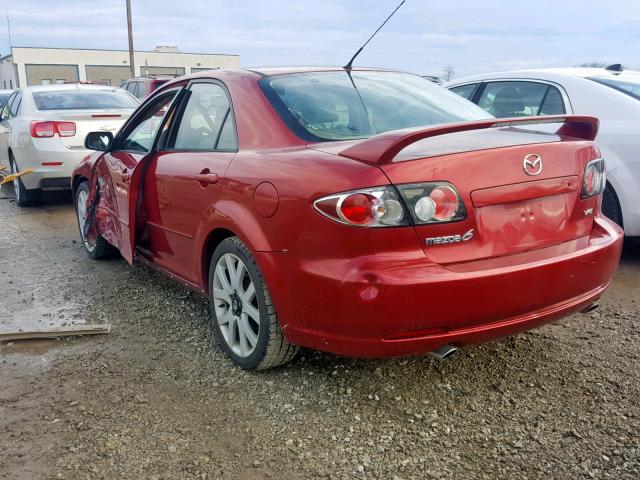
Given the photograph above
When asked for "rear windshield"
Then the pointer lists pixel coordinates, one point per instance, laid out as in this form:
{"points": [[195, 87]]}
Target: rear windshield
{"points": [[83, 100], [343, 106], [630, 86]]}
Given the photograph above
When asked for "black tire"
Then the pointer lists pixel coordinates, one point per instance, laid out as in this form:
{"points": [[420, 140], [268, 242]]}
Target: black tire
{"points": [[272, 348], [24, 197], [99, 249], [611, 205]]}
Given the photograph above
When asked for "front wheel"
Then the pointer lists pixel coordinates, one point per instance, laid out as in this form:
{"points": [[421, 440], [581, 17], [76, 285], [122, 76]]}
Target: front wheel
{"points": [[244, 319], [96, 249]]}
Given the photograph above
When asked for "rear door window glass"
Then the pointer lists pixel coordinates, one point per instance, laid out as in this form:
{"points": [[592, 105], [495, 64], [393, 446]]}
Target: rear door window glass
{"points": [[15, 105], [520, 99], [627, 85], [207, 112], [465, 91]]}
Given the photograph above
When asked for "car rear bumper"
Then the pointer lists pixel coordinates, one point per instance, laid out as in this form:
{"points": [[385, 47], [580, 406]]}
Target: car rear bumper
{"points": [[390, 306], [50, 177]]}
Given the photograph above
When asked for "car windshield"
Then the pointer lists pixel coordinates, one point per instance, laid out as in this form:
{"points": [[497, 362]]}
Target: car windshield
{"points": [[83, 100], [342, 106], [628, 85]]}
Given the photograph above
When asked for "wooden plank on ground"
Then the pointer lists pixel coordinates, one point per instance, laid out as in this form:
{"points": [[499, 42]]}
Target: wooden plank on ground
{"points": [[67, 331]]}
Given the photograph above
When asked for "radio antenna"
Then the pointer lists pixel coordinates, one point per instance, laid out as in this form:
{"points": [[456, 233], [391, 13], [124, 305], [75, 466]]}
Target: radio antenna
{"points": [[348, 65]]}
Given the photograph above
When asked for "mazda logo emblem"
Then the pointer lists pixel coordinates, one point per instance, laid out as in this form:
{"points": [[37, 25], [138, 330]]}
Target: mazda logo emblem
{"points": [[532, 164]]}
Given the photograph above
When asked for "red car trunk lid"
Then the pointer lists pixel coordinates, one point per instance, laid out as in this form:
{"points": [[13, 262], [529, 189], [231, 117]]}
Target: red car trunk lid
{"points": [[520, 182]]}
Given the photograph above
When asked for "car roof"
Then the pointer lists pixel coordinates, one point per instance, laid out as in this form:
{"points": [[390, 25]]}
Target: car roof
{"points": [[552, 74], [70, 86], [267, 71]]}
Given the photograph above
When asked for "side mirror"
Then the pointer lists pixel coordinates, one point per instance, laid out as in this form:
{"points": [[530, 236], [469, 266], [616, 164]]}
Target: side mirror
{"points": [[100, 141]]}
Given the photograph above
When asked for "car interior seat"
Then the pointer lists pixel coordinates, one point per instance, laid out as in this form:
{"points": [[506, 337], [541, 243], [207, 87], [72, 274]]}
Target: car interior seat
{"points": [[508, 103]]}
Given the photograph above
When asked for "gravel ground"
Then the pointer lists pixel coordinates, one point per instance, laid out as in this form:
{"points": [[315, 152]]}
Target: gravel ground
{"points": [[155, 399]]}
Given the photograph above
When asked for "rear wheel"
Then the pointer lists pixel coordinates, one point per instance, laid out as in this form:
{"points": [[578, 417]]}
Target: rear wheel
{"points": [[98, 248], [24, 197], [611, 205], [244, 319]]}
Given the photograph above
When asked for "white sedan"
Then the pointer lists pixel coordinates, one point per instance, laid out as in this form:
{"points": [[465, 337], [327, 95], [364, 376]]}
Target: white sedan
{"points": [[610, 94], [44, 127]]}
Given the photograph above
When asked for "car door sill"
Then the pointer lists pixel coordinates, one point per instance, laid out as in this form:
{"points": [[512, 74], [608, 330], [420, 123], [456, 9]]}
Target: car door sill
{"points": [[145, 257]]}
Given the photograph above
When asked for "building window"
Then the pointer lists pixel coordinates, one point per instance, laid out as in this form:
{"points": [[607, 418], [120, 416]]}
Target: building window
{"points": [[46, 81], [60, 81], [11, 84]]}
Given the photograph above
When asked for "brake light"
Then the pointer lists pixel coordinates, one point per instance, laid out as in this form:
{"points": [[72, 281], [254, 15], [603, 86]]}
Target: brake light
{"points": [[66, 129], [48, 129], [594, 178], [433, 202], [43, 129], [370, 207]]}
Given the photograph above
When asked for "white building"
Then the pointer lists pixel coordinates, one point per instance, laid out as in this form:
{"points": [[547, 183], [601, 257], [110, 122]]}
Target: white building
{"points": [[36, 66]]}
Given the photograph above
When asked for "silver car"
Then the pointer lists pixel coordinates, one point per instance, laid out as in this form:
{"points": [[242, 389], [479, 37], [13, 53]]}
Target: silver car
{"points": [[44, 127]]}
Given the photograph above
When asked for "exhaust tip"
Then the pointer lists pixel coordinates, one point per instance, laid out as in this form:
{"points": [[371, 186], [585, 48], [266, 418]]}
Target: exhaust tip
{"points": [[590, 308], [445, 351]]}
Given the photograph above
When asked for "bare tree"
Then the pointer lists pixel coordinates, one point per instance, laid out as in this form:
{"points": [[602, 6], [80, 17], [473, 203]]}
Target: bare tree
{"points": [[593, 64], [448, 72]]}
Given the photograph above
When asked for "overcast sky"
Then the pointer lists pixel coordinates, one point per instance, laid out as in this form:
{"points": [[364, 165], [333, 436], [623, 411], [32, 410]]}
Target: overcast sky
{"points": [[424, 36]]}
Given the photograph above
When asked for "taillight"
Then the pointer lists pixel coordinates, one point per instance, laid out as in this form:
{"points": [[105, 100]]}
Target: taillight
{"points": [[49, 129], [594, 178], [370, 207], [66, 129], [433, 202], [43, 129]]}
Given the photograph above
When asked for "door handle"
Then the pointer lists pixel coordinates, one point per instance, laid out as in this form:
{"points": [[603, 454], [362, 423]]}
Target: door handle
{"points": [[207, 178]]}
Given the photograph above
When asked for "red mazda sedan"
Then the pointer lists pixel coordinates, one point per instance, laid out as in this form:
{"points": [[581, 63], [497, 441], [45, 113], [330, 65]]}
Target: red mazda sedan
{"points": [[364, 212]]}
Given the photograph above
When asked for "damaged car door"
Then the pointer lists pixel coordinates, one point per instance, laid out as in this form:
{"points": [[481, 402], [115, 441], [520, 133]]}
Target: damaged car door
{"points": [[121, 170]]}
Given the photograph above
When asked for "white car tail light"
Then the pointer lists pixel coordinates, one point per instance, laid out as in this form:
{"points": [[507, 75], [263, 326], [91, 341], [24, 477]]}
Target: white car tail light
{"points": [[433, 202], [594, 178], [48, 129]]}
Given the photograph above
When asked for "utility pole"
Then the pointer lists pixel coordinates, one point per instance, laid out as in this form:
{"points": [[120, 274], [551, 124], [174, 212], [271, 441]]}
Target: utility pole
{"points": [[130, 30], [9, 32]]}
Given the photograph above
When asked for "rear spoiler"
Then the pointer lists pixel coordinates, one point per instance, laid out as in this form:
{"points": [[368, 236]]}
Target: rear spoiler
{"points": [[383, 148]]}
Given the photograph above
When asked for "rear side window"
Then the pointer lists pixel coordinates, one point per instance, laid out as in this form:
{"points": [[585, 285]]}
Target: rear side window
{"points": [[465, 91], [82, 100], [5, 110], [629, 86], [521, 99], [133, 88], [15, 105], [4, 98], [207, 121], [141, 90]]}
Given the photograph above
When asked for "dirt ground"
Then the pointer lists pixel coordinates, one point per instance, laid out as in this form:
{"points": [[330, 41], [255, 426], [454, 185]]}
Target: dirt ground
{"points": [[155, 399]]}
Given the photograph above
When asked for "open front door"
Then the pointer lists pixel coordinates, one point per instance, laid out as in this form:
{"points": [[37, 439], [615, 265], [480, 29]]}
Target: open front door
{"points": [[122, 172]]}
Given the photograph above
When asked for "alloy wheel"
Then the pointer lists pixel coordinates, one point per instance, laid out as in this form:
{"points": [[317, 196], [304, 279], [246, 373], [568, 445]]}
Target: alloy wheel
{"points": [[81, 209], [236, 305]]}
